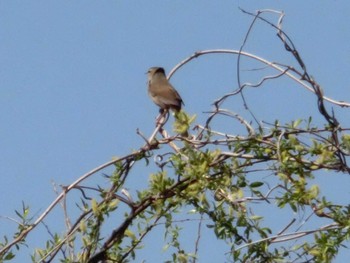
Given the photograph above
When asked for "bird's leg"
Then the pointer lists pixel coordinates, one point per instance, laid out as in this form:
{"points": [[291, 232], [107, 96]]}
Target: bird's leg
{"points": [[162, 117]]}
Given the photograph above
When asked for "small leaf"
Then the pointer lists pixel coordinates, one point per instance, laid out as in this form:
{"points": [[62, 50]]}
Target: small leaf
{"points": [[256, 184], [130, 234], [256, 218], [94, 207]]}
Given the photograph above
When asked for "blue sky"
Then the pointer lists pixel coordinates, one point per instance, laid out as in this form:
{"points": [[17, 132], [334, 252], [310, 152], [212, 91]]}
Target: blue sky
{"points": [[73, 88]]}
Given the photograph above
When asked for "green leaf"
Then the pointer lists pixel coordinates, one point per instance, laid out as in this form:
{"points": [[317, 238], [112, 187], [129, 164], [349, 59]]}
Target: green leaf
{"points": [[256, 184]]}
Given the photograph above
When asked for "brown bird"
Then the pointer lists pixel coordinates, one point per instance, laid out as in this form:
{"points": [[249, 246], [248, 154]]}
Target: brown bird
{"points": [[161, 91]]}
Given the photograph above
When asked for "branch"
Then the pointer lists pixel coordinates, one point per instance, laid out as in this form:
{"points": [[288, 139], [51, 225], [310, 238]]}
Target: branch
{"points": [[264, 61], [290, 236], [148, 146]]}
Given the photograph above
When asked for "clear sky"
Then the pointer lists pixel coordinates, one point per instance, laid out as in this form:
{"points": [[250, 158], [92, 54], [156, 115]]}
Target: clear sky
{"points": [[73, 88]]}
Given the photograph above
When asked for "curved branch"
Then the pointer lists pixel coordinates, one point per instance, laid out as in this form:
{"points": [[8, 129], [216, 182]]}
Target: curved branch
{"points": [[148, 146], [264, 61]]}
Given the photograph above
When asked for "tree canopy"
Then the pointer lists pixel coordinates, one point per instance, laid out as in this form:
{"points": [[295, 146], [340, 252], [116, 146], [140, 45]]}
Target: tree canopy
{"points": [[249, 184]]}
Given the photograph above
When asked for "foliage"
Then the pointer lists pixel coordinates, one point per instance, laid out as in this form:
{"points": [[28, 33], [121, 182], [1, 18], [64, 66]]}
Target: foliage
{"points": [[235, 187]]}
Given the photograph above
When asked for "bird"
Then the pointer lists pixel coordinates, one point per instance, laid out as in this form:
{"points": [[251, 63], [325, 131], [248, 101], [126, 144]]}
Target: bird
{"points": [[162, 92]]}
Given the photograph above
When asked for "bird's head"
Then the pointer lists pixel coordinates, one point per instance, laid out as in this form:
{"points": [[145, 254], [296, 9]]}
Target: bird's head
{"points": [[155, 71]]}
